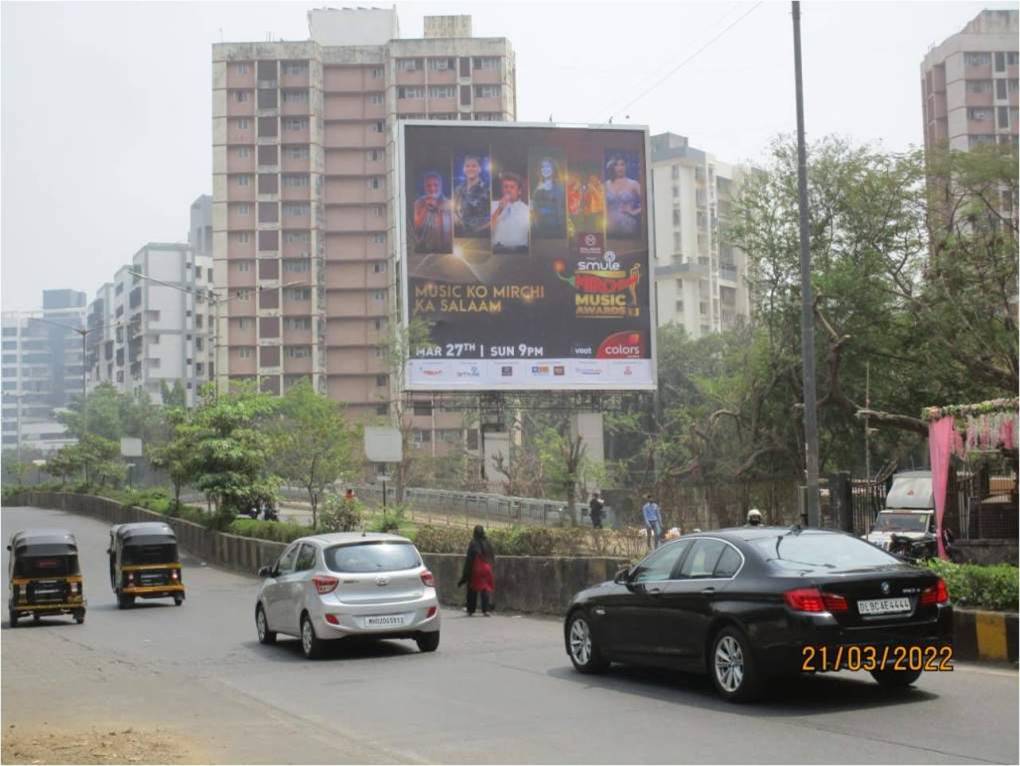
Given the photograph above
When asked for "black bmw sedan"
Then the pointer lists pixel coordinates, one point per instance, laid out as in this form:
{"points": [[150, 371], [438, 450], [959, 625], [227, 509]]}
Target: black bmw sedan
{"points": [[750, 603]]}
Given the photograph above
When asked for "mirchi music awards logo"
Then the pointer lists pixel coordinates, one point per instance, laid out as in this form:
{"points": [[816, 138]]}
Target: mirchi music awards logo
{"points": [[603, 288]]}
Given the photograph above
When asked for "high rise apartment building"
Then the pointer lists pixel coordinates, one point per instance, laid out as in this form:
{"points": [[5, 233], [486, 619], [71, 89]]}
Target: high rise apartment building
{"points": [[41, 369], [970, 92], [700, 280], [151, 326], [304, 189]]}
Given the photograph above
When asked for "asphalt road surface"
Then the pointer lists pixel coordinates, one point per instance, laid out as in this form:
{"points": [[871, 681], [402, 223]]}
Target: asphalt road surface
{"points": [[498, 690]]}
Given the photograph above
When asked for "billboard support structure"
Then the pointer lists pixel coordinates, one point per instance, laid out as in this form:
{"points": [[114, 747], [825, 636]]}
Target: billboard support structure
{"points": [[527, 248]]}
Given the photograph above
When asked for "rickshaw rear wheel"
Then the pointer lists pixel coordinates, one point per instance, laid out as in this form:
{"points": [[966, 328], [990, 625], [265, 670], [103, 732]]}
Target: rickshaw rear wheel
{"points": [[123, 601], [36, 617], [178, 600], [12, 615], [79, 616]]}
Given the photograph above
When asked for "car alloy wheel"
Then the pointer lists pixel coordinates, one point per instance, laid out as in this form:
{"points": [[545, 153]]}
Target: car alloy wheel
{"points": [[729, 664], [582, 647], [310, 643], [732, 666], [266, 636]]}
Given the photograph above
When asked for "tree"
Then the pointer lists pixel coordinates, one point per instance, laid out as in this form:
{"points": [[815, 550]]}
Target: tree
{"points": [[313, 444], [178, 455], [233, 447], [96, 457]]}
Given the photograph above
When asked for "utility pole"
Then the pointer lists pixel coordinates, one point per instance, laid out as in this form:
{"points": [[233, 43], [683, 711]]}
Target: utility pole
{"points": [[807, 320]]}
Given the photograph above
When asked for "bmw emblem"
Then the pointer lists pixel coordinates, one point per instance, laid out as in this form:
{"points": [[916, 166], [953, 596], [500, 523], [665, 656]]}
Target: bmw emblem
{"points": [[885, 588]]}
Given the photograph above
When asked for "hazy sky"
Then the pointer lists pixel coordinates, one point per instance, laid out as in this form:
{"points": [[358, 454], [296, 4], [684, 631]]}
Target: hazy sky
{"points": [[107, 119]]}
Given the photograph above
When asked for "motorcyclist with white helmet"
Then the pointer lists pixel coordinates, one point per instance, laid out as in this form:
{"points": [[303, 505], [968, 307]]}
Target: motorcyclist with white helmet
{"points": [[754, 518]]}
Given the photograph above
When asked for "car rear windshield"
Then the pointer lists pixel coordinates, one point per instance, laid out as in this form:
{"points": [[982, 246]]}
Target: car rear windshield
{"points": [[165, 553], [46, 566], [901, 522], [372, 557], [821, 551]]}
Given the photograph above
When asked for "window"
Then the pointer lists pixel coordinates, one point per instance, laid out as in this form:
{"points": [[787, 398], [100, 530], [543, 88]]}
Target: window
{"points": [[412, 91], [1003, 117], [729, 562], [977, 59], [979, 115], [379, 295], [241, 68], [441, 64], [242, 294], [244, 266], [268, 127], [268, 155], [1000, 89], [299, 352], [408, 65], [375, 98], [305, 559], [379, 237], [243, 180], [1000, 61], [295, 123], [242, 209], [423, 408], [269, 240], [372, 557], [379, 267], [242, 237], [242, 124], [659, 566], [297, 152], [199, 343], [422, 437], [375, 182], [244, 353], [295, 267], [268, 212], [486, 62], [297, 294], [267, 99], [297, 236], [293, 67], [486, 91], [296, 210], [240, 96], [243, 151], [465, 95], [465, 66], [703, 558], [377, 211], [380, 380], [378, 126], [297, 323], [286, 563], [376, 73], [442, 91], [1012, 57], [269, 183], [382, 409], [488, 116]]}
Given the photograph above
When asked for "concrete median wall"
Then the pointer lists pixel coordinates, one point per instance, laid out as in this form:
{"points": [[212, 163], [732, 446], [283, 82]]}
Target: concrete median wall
{"points": [[535, 584]]}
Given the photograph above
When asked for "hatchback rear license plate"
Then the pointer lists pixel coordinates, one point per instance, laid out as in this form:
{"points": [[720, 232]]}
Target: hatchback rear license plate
{"points": [[883, 605], [392, 619]]}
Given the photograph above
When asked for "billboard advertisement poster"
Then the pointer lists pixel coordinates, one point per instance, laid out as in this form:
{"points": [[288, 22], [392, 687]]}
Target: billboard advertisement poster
{"points": [[526, 251]]}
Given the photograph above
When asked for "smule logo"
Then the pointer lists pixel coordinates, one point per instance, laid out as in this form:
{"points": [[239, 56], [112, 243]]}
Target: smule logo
{"points": [[469, 372]]}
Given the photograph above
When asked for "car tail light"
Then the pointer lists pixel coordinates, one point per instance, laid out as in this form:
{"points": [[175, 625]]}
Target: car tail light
{"points": [[332, 619], [935, 594], [427, 579], [131, 577], [834, 603], [173, 574], [805, 600], [325, 584], [431, 612]]}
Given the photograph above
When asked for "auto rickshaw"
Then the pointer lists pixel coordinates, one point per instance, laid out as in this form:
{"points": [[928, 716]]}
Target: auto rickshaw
{"points": [[144, 563], [44, 575]]}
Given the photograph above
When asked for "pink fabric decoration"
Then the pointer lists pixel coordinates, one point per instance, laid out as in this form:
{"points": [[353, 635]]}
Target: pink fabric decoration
{"points": [[941, 439]]}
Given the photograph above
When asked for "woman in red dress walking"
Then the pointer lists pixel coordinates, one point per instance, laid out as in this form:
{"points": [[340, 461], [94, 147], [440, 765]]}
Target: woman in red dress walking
{"points": [[478, 573]]}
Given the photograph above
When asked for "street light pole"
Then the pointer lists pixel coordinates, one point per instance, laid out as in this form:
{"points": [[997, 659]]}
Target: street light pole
{"points": [[807, 322]]}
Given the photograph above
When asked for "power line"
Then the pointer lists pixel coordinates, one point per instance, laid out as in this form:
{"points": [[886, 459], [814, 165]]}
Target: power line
{"points": [[686, 61]]}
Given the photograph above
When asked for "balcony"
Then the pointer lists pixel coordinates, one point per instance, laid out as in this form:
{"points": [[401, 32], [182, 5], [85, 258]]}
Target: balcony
{"points": [[240, 193], [238, 79], [237, 108], [488, 104], [291, 164], [972, 99], [294, 80], [295, 135], [487, 76], [410, 106], [238, 163], [417, 77], [295, 108]]}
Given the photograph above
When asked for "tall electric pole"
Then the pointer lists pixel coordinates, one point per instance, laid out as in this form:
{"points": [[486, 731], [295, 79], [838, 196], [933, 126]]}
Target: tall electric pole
{"points": [[807, 320]]}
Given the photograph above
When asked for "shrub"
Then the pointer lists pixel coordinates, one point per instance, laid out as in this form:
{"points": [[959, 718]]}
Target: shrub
{"points": [[341, 515], [276, 531], [390, 520], [975, 585], [431, 539]]}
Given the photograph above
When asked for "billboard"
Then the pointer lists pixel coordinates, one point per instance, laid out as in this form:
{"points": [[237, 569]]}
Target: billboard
{"points": [[525, 248]]}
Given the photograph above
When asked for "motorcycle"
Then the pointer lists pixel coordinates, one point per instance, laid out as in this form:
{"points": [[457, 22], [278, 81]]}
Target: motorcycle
{"points": [[918, 549]]}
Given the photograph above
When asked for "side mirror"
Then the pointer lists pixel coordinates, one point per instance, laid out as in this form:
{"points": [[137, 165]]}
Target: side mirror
{"points": [[265, 571], [623, 576], [8, 547]]}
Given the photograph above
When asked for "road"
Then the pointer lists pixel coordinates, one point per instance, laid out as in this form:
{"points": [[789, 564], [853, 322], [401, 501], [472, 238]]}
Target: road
{"points": [[498, 690]]}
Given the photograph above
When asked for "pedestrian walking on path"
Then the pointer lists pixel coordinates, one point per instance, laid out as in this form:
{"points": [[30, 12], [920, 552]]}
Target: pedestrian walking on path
{"points": [[478, 572], [653, 522]]}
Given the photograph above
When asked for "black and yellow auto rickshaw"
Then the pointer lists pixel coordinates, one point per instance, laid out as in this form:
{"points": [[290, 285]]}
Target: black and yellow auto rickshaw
{"points": [[44, 575], [144, 563]]}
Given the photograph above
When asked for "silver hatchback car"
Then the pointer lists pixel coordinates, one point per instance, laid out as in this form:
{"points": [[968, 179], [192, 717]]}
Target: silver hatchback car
{"points": [[332, 586]]}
